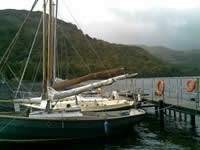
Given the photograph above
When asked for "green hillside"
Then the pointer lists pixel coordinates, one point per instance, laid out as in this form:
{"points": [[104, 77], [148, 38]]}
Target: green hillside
{"points": [[77, 54]]}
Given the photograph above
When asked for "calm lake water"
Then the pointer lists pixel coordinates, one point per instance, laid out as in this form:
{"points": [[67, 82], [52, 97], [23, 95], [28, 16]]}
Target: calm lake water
{"points": [[147, 135]]}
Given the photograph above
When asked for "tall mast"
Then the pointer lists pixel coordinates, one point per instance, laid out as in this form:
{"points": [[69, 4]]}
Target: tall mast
{"points": [[44, 84], [49, 73], [52, 41], [55, 40]]}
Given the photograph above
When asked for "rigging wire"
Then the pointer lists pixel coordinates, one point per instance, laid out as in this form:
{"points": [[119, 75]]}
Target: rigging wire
{"points": [[76, 51], [37, 70], [15, 76], [33, 44], [13, 42], [88, 42], [11, 89], [17, 79], [8, 54], [68, 63], [67, 60]]}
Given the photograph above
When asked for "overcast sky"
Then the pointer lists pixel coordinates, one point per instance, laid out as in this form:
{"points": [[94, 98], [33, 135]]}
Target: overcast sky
{"points": [[171, 23]]}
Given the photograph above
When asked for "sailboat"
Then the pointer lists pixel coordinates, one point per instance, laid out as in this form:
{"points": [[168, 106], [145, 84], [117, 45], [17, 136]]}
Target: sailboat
{"points": [[64, 124], [86, 103], [67, 98]]}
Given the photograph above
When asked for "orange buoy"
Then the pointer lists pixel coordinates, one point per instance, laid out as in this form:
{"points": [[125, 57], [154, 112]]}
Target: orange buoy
{"points": [[160, 87], [188, 87]]}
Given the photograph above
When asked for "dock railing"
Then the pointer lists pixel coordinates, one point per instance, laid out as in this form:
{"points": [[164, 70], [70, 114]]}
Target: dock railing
{"points": [[175, 92]]}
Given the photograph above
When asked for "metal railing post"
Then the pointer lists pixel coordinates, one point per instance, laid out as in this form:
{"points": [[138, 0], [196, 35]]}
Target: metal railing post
{"points": [[152, 89], [177, 94], [169, 87], [135, 86], [198, 93], [164, 93], [197, 90], [143, 86], [181, 89]]}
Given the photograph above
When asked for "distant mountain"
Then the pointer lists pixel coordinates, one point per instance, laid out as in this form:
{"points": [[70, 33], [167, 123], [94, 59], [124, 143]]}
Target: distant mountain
{"points": [[165, 54], [186, 57], [192, 58], [77, 54], [188, 61]]}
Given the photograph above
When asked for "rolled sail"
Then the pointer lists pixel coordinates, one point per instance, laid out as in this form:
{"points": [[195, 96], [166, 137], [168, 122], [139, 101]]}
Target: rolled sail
{"points": [[55, 95], [68, 83]]}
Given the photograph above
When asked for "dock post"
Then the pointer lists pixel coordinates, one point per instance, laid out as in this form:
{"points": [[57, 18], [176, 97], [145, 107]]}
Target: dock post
{"points": [[193, 120], [152, 90], [143, 86], [170, 113], [161, 107], [180, 116], [174, 114], [181, 89], [185, 117], [156, 110]]}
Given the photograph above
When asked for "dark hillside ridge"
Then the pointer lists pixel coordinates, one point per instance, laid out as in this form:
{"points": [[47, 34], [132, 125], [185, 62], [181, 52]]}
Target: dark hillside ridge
{"points": [[76, 56]]}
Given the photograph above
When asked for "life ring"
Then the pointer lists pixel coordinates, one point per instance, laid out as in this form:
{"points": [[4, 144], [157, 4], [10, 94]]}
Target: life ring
{"points": [[160, 87], [188, 87]]}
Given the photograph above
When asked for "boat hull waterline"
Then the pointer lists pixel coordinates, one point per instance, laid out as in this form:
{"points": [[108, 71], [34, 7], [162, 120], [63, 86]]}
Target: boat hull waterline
{"points": [[25, 129]]}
